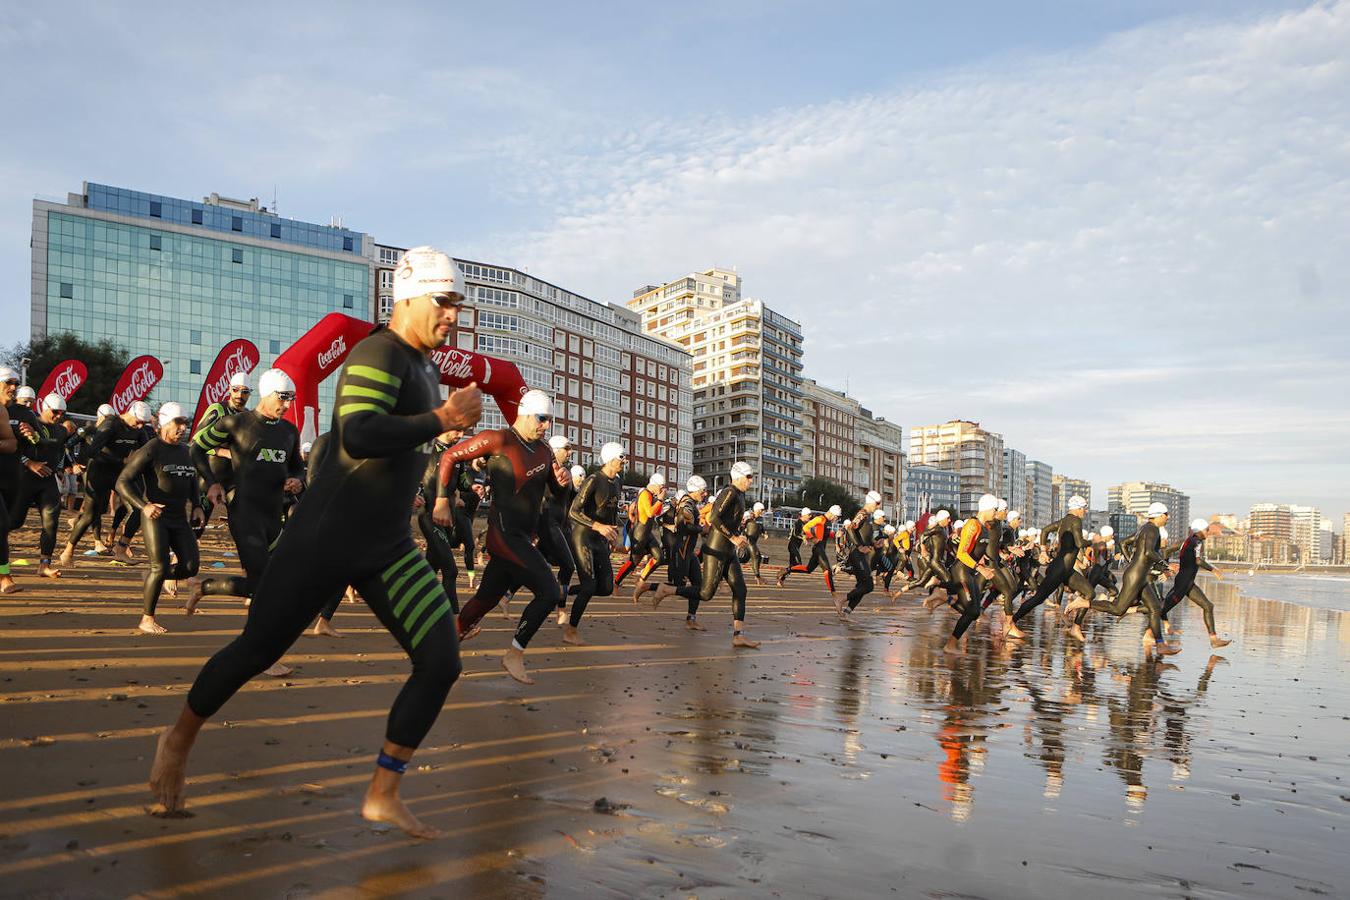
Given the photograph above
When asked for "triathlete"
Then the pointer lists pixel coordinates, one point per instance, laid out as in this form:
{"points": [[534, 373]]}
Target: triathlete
{"points": [[816, 530], [354, 528], [593, 521], [1134, 583], [972, 570], [578, 479], [644, 519], [519, 466], [9, 472], [796, 539], [42, 450], [1189, 563], [115, 439], [160, 481], [553, 542], [720, 560], [436, 517], [1061, 568], [862, 530], [754, 530], [684, 563], [222, 472]]}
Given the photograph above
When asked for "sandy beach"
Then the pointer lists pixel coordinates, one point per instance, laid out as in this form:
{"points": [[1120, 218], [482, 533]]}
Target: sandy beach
{"points": [[837, 761]]}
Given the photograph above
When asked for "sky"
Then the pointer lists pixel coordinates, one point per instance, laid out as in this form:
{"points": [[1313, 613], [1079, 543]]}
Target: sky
{"points": [[1115, 232]]}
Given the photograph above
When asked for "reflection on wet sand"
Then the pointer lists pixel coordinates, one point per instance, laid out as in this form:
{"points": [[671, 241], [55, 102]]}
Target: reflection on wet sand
{"points": [[840, 760]]}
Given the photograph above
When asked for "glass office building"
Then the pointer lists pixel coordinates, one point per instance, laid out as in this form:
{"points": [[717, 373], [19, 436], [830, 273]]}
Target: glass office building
{"points": [[179, 279]]}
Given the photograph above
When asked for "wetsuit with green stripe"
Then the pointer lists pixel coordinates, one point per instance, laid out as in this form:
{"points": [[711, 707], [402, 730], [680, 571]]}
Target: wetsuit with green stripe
{"points": [[353, 527], [221, 469]]}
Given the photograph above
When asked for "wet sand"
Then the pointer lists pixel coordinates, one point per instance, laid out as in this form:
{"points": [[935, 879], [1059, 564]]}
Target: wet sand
{"points": [[837, 761]]}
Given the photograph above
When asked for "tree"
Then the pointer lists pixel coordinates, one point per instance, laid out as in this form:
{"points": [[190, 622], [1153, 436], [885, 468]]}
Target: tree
{"points": [[820, 494], [105, 361]]}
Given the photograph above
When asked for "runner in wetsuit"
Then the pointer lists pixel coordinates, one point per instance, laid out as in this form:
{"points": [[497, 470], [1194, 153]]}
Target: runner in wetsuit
{"points": [[519, 467], [754, 530], [435, 517], [720, 560], [796, 539], [1061, 568], [972, 569], [42, 450], [105, 454], [222, 470], [160, 481], [862, 544], [1002, 540], [593, 520], [816, 530], [934, 548], [553, 542], [644, 518], [684, 561], [9, 472], [354, 528], [264, 452], [1134, 582], [1189, 563]]}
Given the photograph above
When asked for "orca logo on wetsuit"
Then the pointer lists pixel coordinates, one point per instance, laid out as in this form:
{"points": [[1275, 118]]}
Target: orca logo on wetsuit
{"points": [[536, 470], [272, 456]]}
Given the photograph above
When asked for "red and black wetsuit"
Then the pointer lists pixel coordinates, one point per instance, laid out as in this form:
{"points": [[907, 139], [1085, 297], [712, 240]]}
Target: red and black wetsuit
{"points": [[1190, 561], [518, 472]]}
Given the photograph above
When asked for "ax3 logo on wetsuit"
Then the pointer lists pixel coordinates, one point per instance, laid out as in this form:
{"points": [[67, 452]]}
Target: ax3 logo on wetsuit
{"points": [[271, 456]]}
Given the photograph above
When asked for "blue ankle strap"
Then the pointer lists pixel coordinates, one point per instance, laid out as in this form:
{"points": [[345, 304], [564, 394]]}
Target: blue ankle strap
{"points": [[392, 763]]}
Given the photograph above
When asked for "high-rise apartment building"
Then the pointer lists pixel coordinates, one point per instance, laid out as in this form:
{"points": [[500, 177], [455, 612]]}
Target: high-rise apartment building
{"points": [[1272, 520], [179, 279], [965, 448], [881, 461], [1064, 488], [843, 442], [1015, 479], [1307, 533], [747, 375], [1134, 498], [1040, 479], [928, 488]]}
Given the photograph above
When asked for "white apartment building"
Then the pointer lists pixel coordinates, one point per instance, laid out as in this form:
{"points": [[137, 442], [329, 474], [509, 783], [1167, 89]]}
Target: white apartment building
{"points": [[1062, 488], [1040, 493], [966, 448], [1133, 498]]}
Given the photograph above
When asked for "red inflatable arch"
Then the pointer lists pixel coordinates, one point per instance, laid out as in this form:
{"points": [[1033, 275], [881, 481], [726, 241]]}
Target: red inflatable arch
{"points": [[321, 351]]}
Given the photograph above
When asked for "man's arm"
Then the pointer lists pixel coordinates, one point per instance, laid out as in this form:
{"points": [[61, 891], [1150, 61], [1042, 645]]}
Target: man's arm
{"points": [[130, 484], [485, 443], [577, 512]]}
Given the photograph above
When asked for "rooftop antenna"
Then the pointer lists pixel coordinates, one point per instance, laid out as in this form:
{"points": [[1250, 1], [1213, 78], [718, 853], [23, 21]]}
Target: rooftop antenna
{"points": [[275, 211]]}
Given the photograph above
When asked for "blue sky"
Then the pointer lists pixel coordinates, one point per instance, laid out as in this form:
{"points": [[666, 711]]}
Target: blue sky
{"points": [[1114, 232]]}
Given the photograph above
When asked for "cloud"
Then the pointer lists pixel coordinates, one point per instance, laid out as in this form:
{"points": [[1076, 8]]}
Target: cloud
{"points": [[1119, 247]]}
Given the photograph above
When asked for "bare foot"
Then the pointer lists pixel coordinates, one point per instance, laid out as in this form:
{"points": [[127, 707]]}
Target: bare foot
{"points": [[1216, 641], [167, 777], [150, 626], [513, 661], [67, 556], [389, 809], [838, 605], [49, 571], [782, 577], [471, 634], [100, 547], [570, 636], [122, 554], [934, 600], [506, 607], [692, 625], [1014, 632], [953, 647], [277, 670], [1168, 649], [1148, 637], [1077, 633], [7, 586], [641, 588], [352, 597], [1076, 604], [325, 628], [171, 588], [740, 640], [194, 596], [662, 592], [562, 617]]}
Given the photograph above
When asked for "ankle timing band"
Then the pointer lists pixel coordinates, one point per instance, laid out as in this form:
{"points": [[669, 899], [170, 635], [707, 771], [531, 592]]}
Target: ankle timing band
{"points": [[392, 763]]}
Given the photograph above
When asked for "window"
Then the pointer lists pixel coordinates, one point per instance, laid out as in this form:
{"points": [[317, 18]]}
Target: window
{"points": [[196, 217], [237, 255], [575, 343], [346, 243], [347, 302], [67, 290], [236, 223], [464, 340], [276, 229], [156, 209], [559, 359], [466, 318], [274, 346], [195, 336], [155, 242], [195, 367], [558, 382]]}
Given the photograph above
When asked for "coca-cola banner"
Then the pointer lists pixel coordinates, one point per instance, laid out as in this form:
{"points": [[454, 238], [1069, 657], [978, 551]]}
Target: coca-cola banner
{"points": [[65, 379], [137, 381], [321, 351], [238, 355]]}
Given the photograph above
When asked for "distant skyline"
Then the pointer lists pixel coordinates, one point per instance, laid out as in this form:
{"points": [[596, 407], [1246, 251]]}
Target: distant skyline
{"points": [[1113, 234]]}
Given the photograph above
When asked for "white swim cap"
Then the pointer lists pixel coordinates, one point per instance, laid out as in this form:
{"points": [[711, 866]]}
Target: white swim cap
{"points": [[747, 515], [275, 381], [696, 484], [835, 511], [873, 497], [1092, 537], [426, 270], [656, 481], [578, 472], [535, 403], [306, 447], [806, 513], [742, 470], [1022, 533], [171, 412], [1077, 502], [1002, 505], [959, 524], [54, 401], [758, 507], [909, 523], [1200, 525], [27, 393], [878, 516], [106, 410], [941, 516], [239, 380], [1014, 516], [9, 376], [141, 410], [888, 530], [1107, 531], [1157, 509], [611, 452], [988, 503], [559, 442]]}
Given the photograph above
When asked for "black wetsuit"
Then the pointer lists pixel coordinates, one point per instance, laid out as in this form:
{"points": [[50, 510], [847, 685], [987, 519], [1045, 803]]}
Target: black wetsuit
{"points": [[264, 453], [596, 503], [1006, 581], [862, 544], [163, 473], [354, 528], [553, 532], [518, 471], [105, 453], [719, 555], [684, 564], [972, 544], [440, 548], [1061, 568], [794, 544], [820, 557], [1190, 561], [754, 530], [646, 539], [9, 475], [935, 564], [1134, 583], [222, 470], [47, 446]]}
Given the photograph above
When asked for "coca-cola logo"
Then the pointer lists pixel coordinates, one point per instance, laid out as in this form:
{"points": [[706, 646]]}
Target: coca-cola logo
{"points": [[139, 381], [239, 360], [68, 380], [454, 364], [336, 351]]}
